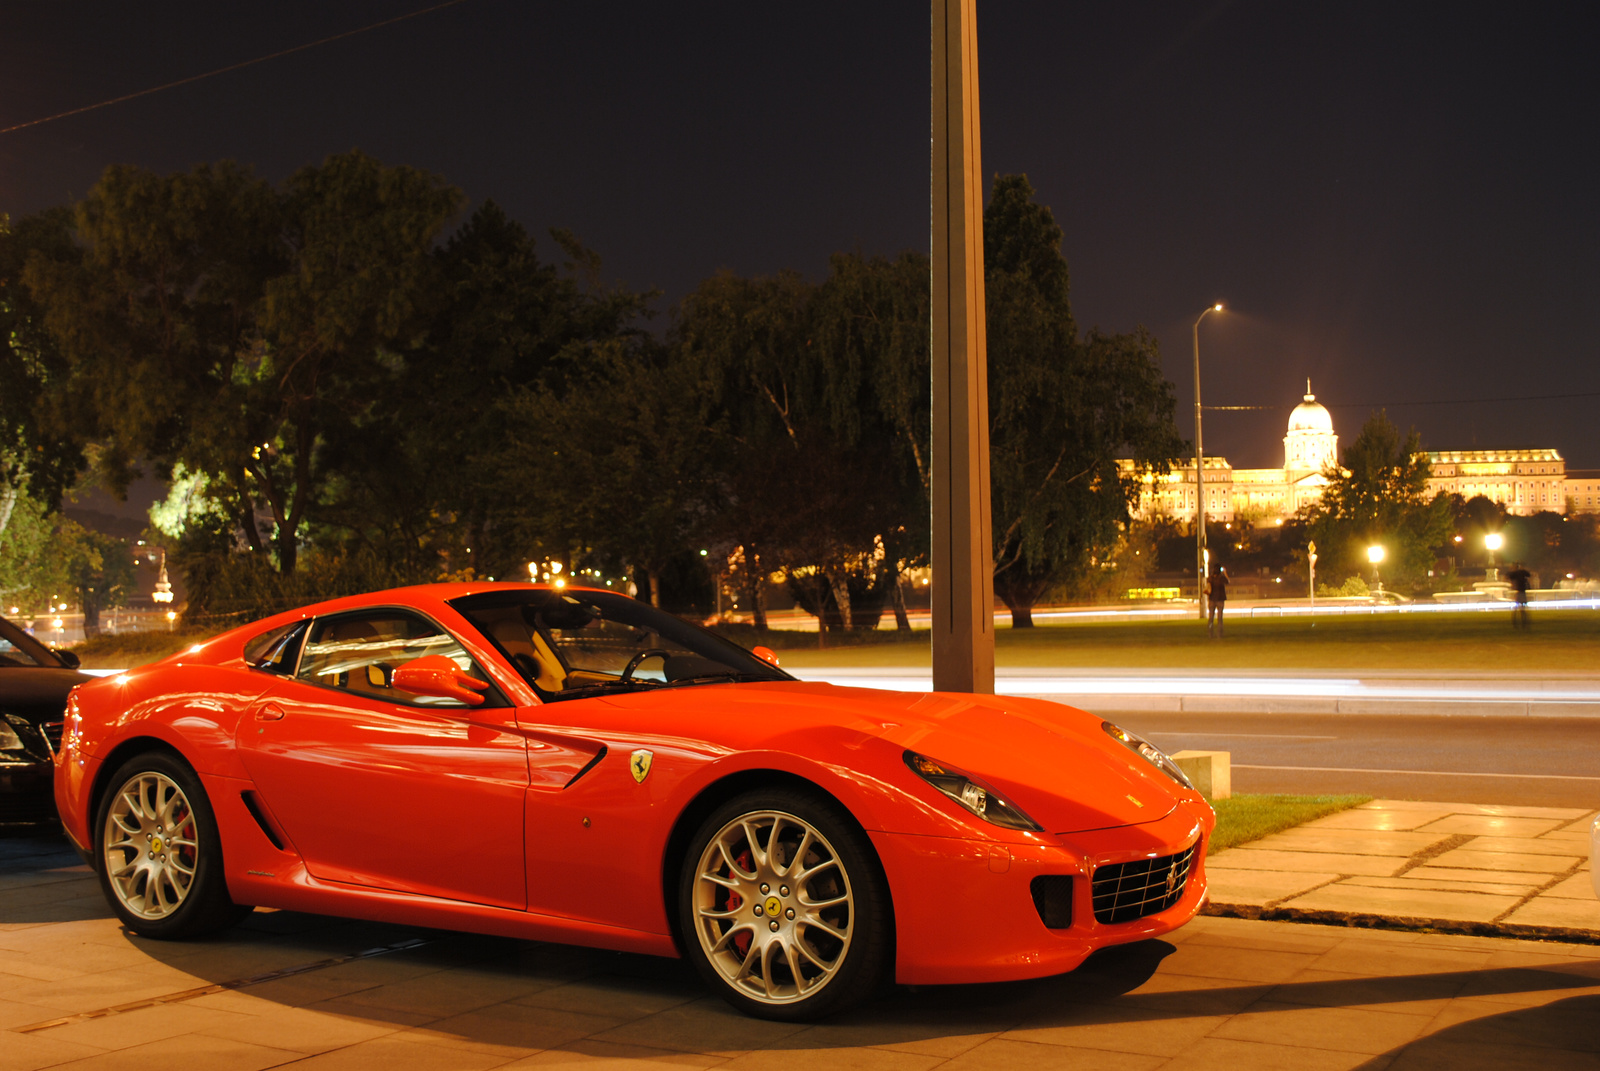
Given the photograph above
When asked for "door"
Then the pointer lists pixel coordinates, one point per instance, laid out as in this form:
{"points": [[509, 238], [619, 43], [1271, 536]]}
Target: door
{"points": [[384, 788]]}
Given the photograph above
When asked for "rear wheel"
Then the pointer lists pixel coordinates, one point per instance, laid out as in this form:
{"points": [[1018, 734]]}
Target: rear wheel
{"points": [[783, 907], [159, 855]]}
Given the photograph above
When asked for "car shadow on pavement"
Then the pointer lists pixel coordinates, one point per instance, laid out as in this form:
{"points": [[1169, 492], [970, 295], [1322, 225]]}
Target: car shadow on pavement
{"points": [[492, 991]]}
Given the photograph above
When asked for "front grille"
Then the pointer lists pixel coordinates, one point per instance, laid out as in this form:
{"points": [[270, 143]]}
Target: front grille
{"points": [[52, 735], [1127, 891]]}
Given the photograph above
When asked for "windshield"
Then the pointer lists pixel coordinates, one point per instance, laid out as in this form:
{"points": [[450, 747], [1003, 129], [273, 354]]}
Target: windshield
{"points": [[569, 644], [17, 648]]}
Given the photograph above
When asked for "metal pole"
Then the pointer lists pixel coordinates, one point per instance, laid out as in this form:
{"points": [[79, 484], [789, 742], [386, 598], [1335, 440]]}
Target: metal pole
{"points": [[1200, 472], [963, 568]]}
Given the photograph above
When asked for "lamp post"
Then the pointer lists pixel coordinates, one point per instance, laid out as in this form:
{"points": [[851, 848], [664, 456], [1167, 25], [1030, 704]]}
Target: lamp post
{"points": [[1494, 541], [1200, 470], [1311, 563], [1375, 555]]}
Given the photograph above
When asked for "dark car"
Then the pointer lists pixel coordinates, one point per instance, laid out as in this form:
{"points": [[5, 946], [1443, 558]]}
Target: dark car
{"points": [[34, 682]]}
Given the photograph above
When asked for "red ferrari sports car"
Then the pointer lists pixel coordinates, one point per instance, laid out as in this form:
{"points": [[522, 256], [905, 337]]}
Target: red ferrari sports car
{"points": [[572, 765]]}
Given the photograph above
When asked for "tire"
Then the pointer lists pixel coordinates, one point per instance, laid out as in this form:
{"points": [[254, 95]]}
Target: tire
{"points": [[773, 946], [157, 851]]}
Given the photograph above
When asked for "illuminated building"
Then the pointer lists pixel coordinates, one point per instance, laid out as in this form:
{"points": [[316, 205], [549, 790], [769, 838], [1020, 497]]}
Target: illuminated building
{"points": [[1523, 481]]}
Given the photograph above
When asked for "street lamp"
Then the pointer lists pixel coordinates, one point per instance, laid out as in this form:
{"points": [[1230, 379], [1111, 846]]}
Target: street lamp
{"points": [[1200, 469], [1494, 541], [1375, 555], [1311, 569]]}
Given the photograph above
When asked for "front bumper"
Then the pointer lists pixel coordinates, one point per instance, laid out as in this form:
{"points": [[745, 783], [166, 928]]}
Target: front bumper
{"points": [[27, 794], [965, 910]]}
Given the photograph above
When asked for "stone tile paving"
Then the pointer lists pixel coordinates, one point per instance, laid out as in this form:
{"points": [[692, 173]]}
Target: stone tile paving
{"points": [[1467, 868], [1231, 993]]}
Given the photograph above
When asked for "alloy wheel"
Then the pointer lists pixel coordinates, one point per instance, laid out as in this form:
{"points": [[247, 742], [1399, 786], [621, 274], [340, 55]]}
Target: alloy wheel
{"points": [[773, 907], [150, 847]]}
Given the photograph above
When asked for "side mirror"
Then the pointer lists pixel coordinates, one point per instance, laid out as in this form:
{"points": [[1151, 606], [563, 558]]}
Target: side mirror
{"points": [[439, 676], [765, 654], [68, 658]]}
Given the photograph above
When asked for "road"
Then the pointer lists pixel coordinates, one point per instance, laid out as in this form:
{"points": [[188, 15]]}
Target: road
{"points": [[1547, 762]]}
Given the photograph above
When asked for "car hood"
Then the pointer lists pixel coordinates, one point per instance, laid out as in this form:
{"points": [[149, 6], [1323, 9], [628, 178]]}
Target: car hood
{"points": [[38, 694], [1053, 761]]}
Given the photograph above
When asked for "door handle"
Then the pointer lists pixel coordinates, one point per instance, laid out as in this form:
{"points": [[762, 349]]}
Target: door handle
{"points": [[270, 712]]}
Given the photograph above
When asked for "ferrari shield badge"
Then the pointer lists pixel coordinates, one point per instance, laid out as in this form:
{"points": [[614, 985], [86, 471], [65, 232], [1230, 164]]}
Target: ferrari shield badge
{"points": [[639, 765]]}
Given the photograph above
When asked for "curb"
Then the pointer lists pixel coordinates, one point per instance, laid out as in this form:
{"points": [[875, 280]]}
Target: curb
{"points": [[1358, 920]]}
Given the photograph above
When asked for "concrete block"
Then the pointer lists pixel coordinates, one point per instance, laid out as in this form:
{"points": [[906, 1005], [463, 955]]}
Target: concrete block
{"points": [[1211, 772]]}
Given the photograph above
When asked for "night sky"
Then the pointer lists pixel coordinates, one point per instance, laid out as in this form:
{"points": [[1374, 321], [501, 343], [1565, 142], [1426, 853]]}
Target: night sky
{"points": [[1399, 201]]}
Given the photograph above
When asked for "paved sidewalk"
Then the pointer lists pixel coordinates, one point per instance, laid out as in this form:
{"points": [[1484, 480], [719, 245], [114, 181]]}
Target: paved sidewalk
{"points": [[1457, 867], [319, 994]]}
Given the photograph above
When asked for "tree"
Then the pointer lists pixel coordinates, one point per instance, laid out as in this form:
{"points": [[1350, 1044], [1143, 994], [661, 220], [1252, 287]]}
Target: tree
{"points": [[1062, 410], [508, 328], [42, 435], [1379, 496], [47, 553], [810, 481], [213, 321], [611, 469], [872, 325]]}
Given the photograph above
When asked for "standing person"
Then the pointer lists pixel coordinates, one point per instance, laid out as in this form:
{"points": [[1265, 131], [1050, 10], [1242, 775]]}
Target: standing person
{"points": [[1520, 578], [1217, 592]]}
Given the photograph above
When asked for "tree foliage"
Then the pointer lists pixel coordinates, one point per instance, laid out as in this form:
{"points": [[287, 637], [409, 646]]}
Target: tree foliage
{"points": [[345, 397], [1062, 410], [1378, 496], [213, 321]]}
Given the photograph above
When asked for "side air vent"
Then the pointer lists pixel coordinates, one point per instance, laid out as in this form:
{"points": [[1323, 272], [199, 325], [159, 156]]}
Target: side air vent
{"points": [[591, 764], [253, 805]]}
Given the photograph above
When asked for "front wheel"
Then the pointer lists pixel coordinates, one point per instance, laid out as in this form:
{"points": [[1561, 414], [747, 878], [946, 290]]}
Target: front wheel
{"points": [[783, 907], [160, 857]]}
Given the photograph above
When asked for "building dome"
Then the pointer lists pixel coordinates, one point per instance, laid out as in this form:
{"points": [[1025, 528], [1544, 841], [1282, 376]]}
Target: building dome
{"points": [[1310, 416]]}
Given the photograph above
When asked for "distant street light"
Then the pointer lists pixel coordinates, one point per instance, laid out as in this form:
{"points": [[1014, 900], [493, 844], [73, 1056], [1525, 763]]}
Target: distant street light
{"points": [[1200, 469], [1375, 555], [1494, 541], [1311, 562]]}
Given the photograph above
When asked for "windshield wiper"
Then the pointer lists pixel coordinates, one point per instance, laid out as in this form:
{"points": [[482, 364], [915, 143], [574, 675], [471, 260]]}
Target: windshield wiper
{"points": [[729, 677], [606, 688]]}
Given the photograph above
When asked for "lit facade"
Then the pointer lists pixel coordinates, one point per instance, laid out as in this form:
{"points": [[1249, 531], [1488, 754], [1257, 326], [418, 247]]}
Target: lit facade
{"points": [[1523, 481]]}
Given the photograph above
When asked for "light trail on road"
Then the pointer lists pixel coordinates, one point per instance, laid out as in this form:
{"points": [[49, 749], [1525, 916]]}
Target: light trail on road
{"points": [[1516, 761]]}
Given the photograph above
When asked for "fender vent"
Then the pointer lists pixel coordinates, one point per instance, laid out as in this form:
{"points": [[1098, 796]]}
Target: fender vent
{"points": [[253, 805], [591, 764]]}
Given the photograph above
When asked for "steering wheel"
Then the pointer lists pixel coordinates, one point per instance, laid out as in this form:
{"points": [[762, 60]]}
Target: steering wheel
{"points": [[633, 663]]}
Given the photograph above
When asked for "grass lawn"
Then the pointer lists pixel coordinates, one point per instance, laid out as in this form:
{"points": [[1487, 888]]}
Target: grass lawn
{"points": [[1247, 818], [129, 649], [1560, 641], [1565, 642]]}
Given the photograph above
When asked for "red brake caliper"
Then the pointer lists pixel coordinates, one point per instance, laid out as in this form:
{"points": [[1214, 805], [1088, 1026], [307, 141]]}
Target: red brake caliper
{"points": [[741, 941]]}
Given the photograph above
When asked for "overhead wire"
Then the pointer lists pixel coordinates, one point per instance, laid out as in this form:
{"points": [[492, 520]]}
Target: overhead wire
{"points": [[231, 67], [1432, 401]]}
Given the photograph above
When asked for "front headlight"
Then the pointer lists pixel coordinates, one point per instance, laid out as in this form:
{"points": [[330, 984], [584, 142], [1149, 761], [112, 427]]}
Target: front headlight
{"points": [[9, 740], [969, 792], [1147, 751]]}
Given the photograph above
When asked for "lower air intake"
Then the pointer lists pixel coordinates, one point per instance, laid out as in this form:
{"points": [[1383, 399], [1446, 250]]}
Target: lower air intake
{"points": [[1052, 896]]}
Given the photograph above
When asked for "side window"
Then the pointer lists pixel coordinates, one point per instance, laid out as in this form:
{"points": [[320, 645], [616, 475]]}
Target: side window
{"points": [[359, 653], [278, 650]]}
